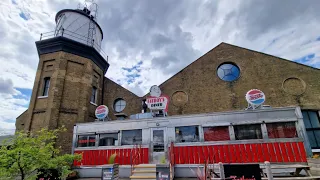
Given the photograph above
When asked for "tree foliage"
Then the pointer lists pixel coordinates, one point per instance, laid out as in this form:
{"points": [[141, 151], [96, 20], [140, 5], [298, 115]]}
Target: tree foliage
{"points": [[27, 153]]}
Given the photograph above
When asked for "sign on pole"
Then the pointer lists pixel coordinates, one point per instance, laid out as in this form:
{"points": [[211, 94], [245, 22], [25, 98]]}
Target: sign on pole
{"points": [[101, 112], [255, 98], [157, 100]]}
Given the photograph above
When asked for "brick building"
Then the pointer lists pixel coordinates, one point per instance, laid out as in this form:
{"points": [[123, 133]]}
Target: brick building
{"points": [[70, 84]]}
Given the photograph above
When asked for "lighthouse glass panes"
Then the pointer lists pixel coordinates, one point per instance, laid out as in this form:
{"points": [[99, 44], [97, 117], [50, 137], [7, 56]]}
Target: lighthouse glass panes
{"points": [[119, 105], [228, 72]]}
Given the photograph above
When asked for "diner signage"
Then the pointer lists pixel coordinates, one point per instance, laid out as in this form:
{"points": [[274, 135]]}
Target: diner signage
{"points": [[156, 100]]}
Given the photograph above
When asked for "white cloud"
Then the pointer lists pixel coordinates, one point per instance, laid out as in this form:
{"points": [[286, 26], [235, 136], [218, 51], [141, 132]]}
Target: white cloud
{"points": [[165, 35]]}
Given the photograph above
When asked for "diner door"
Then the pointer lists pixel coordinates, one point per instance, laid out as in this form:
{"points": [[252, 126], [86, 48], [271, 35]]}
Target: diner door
{"points": [[158, 145]]}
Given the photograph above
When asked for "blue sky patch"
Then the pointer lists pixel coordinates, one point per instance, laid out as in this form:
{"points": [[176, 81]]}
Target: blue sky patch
{"points": [[14, 2], [10, 121], [23, 16], [132, 77], [136, 67], [25, 94], [133, 72], [305, 59]]}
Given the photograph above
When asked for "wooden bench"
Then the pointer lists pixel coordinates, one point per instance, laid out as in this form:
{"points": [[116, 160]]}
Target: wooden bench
{"points": [[298, 167]]}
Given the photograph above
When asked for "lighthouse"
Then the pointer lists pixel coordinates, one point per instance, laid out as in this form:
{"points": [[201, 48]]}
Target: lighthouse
{"points": [[70, 75]]}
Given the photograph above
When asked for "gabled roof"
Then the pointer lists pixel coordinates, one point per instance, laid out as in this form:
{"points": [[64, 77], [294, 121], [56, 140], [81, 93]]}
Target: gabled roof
{"points": [[223, 43]]}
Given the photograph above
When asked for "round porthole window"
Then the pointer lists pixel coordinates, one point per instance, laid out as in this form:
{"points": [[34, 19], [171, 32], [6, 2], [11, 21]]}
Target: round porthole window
{"points": [[119, 105], [228, 72]]}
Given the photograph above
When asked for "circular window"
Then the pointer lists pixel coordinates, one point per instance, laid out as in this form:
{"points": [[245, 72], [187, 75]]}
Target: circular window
{"points": [[179, 98], [119, 105], [228, 72]]}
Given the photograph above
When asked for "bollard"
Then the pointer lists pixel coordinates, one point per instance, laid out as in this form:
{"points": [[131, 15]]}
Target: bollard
{"points": [[221, 170], [268, 170]]}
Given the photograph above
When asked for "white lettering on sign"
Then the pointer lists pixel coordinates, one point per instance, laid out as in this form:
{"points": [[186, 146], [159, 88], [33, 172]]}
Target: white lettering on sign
{"points": [[157, 103]]}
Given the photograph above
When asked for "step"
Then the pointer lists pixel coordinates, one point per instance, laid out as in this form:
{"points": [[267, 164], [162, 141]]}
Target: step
{"points": [[145, 166], [144, 171]]}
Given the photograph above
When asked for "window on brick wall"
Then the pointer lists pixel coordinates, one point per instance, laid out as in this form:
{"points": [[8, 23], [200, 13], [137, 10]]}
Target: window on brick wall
{"points": [[282, 130], [86, 141], [219, 133], [46, 86], [93, 98], [312, 123]]}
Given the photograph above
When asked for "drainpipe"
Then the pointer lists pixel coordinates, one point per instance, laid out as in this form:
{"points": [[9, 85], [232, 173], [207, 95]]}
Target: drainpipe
{"points": [[103, 81]]}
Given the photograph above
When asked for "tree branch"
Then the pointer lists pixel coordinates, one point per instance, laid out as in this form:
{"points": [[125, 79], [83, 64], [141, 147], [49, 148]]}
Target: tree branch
{"points": [[20, 168]]}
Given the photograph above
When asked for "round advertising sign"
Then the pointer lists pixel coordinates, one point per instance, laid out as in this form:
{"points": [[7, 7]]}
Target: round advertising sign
{"points": [[101, 111], [255, 97]]}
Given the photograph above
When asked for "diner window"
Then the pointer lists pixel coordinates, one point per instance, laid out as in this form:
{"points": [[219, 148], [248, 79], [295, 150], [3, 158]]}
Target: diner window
{"points": [[282, 130], [131, 137], [93, 98], [219, 133], [86, 140], [46, 86], [109, 139], [249, 131], [187, 134], [312, 123]]}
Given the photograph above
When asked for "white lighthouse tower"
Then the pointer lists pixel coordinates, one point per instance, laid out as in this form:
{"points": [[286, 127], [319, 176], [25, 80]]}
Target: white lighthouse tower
{"points": [[80, 25]]}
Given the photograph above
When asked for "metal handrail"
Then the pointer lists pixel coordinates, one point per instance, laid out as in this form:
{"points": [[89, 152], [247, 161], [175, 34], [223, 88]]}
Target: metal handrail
{"points": [[135, 155], [81, 38]]}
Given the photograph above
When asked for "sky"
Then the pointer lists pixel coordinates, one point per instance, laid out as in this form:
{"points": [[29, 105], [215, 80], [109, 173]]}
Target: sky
{"points": [[148, 41]]}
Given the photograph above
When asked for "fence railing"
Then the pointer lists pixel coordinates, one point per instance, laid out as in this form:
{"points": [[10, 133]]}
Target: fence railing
{"points": [[76, 37], [135, 156]]}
